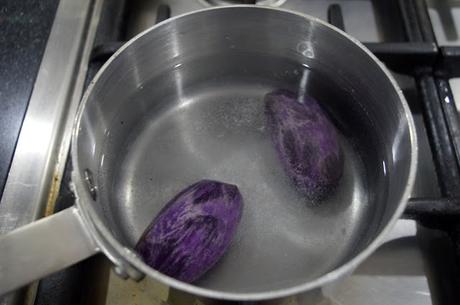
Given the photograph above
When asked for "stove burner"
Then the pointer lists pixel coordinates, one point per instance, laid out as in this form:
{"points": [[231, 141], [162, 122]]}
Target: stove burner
{"points": [[236, 2]]}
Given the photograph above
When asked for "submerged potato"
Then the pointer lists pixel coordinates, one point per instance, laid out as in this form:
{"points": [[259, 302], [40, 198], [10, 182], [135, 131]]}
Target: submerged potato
{"points": [[306, 143], [193, 230]]}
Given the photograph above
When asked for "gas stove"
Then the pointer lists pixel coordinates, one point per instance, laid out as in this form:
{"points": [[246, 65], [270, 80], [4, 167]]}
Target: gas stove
{"points": [[418, 40]]}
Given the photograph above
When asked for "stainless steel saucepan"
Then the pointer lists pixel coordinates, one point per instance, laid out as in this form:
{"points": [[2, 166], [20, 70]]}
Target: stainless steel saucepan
{"points": [[183, 101]]}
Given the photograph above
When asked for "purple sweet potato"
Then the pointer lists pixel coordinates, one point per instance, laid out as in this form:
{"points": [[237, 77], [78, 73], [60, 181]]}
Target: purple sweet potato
{"points": [[306, 143], [193, 230]]}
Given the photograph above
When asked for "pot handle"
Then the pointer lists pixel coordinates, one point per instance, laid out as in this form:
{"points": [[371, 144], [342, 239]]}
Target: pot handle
{"points": [[43, 247]]}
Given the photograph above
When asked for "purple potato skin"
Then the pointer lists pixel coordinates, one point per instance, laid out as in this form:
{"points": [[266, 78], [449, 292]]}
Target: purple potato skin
{"points": [[306, 143], [193, 231]]}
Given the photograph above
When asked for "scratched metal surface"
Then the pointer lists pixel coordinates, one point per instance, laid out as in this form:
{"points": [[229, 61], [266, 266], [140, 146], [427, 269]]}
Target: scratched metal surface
{"points": [[394, 274]]}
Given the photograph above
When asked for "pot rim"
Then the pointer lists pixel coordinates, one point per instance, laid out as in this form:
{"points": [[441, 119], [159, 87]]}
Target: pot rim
{"points": [[125, 257]]}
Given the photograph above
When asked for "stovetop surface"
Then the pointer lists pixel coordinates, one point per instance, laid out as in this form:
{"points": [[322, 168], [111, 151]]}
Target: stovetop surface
{"points": [[24, 30]]}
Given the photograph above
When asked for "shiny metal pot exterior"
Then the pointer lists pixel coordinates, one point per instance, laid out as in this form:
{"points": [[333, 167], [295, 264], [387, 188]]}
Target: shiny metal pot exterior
{"points": [[161, 113]]}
